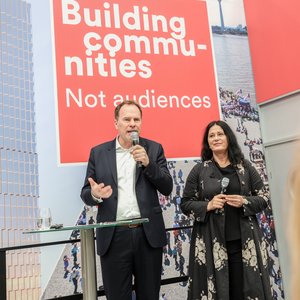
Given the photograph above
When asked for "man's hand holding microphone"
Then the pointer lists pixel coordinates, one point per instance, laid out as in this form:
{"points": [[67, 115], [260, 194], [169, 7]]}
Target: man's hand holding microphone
{"points": [[138, 152]]}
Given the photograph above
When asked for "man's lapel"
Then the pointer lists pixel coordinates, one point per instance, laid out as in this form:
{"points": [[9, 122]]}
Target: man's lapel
{"points": [[111, 153]]}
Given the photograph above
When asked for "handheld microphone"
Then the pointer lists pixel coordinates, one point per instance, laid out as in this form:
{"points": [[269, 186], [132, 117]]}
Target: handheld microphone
{"points": [[135, 141], [224, 184]]}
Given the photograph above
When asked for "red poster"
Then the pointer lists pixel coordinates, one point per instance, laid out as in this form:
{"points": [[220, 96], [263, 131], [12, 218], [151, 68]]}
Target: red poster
{"points": [[157, 53], [274, 28]]}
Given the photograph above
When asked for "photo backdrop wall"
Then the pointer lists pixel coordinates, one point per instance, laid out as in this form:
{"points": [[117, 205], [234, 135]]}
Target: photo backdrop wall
{"points": [[181, 63]]}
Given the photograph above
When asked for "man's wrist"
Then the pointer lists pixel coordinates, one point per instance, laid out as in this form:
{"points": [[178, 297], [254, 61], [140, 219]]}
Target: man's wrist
{"points": [[98, 200]]}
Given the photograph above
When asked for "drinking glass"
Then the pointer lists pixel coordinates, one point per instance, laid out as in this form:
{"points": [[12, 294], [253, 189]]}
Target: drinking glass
{"points": [[44, 218]]}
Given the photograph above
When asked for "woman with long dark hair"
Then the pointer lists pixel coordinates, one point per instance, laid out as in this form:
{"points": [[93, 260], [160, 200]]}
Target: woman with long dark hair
{"points": [[223, 194]]}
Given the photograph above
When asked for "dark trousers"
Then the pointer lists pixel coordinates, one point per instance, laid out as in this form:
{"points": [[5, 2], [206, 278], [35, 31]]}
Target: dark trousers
{"points": [[128, 256], [235, 265]]}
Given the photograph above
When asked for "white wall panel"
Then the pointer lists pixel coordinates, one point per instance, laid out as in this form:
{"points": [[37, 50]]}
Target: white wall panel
{"points": [[280, 126]]}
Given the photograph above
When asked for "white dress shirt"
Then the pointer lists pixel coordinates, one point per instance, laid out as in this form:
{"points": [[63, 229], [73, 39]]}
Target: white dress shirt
{"points": [[126, 168]]}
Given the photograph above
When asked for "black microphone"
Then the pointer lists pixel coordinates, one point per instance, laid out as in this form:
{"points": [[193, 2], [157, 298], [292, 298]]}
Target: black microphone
{"points": [[136, 141], [224, 185]]}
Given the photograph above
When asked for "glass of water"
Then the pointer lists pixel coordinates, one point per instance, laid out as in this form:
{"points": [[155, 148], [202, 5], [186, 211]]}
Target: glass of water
{"points": [[44, 218]]}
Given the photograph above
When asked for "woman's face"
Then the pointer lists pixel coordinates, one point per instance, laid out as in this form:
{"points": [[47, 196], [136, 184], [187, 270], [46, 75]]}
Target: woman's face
{"points": [[217, 140]]}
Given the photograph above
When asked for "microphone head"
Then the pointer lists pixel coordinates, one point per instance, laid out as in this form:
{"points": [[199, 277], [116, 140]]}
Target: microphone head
{"points": [[225, 182], [135, 137]]}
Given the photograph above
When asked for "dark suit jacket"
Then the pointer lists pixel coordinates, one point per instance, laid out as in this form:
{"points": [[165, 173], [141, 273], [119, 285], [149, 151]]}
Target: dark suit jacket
{"points": [[155, 177]]}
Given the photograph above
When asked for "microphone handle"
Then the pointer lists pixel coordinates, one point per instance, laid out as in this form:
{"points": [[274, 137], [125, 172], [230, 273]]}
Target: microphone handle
{"points": [[136, 142], [218, 211]]}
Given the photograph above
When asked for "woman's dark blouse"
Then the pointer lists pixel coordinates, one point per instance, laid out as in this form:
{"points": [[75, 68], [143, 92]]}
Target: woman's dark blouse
{"points": [[232, 214]]}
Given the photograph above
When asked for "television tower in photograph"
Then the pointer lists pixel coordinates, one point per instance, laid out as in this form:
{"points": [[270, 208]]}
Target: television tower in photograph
{"points": [[221, 16]]}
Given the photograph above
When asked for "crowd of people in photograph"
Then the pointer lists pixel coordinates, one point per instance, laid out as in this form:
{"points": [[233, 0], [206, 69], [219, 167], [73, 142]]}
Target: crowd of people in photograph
{"points": [[173, 252], [71, 265], [72, 269], [237, 105]]}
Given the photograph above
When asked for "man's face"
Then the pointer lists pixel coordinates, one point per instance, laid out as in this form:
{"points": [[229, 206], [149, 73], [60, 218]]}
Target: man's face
{"points": [[129, 120]]}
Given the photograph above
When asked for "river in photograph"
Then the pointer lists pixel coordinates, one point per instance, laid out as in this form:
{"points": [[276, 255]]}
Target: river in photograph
{"points": [[233, 63]]}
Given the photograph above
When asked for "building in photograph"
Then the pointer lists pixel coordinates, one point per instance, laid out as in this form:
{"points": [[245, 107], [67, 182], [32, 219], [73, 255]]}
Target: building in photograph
{"points": [[18, 158]]}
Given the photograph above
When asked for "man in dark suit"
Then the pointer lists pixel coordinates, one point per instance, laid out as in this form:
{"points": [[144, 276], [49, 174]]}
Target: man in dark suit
{"points": [[125, 189]]}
